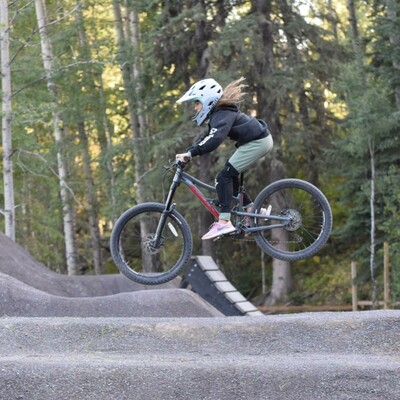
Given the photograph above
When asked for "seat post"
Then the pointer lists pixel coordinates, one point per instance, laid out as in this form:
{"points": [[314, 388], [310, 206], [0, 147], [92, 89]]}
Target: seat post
{"points": [[241, 179], [241, 189]]}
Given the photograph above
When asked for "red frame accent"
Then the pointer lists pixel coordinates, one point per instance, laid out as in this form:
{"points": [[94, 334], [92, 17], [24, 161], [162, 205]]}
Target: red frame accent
{"points": [[206, 204]]}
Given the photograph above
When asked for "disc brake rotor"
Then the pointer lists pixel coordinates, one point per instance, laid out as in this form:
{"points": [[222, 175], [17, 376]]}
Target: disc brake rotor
{"points": [[295, 220], [148, 244]]}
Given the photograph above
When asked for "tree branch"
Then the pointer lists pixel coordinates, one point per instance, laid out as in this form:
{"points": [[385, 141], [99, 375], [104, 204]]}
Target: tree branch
{"points": [[24, 167], [56, 70]]}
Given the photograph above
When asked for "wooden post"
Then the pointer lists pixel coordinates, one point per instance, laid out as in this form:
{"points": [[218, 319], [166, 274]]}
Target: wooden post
{"points": [[386, 277], [263, 278], [354, 285]]}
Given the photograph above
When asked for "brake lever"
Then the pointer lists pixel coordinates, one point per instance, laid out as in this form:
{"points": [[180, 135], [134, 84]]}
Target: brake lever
{"points": [[177, 163]]}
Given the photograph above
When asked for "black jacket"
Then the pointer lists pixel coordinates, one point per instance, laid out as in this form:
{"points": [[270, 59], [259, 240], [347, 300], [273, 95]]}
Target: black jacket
{"points": [[229, 121]]}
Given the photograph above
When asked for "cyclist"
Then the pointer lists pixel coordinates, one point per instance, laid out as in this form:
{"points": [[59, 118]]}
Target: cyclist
{"points": [[225, 120]]}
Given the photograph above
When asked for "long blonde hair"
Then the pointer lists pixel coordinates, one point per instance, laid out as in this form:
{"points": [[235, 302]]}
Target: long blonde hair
{"points": [[233, 93]]}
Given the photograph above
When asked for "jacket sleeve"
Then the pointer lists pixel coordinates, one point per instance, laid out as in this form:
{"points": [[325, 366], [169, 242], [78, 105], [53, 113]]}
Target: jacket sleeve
{"points": [[219, 127]]}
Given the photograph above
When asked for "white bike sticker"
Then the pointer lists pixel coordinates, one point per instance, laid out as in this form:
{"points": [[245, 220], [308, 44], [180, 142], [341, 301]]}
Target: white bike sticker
{"points": [[172, 229]]}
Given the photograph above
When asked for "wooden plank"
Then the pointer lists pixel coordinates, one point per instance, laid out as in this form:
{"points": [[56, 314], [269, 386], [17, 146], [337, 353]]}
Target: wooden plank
{"points": [[305, 308], [245, 306], [254, 313], [224, 287], [354, 285], [386, 277], [215, 276], [235, 297], [206, 263]]}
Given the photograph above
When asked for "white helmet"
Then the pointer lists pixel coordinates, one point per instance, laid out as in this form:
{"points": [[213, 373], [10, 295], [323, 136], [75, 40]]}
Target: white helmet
{"points": [[208, 92]]}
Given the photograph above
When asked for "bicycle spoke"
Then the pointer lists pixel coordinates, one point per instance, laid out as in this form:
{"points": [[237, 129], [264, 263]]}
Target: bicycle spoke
{"points": [[308, 214], [140, 254]]}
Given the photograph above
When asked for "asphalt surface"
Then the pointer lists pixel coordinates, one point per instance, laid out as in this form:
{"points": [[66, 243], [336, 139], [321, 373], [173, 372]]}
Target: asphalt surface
{"points": [[304, 356], [63, 338]]}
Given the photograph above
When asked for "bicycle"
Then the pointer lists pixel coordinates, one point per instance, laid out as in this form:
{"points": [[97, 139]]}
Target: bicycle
{"points": [[151, 243]]}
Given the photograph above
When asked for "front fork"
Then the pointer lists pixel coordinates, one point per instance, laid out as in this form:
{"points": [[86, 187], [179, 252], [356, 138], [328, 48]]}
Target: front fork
{"points": [[168, 209]]}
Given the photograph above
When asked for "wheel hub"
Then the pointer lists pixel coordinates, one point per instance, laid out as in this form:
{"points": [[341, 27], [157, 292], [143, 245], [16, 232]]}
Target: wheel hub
{"points": [[148, 244], [295, 220]]}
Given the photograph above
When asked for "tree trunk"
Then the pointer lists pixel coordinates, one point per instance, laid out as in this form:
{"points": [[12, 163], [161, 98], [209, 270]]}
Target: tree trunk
{"points": [[128, 71], [68, 212], [129, 86], [6, 116], [268, 110], [394, 39], [333, 20], [201, 51], [281, 270], [353, 24], [91, 198], [92, 205], [295, 61], [371, 147], [105, 130], [357, 49], [103, 124]]}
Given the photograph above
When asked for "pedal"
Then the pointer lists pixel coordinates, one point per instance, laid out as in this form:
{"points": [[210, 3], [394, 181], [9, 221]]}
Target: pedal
{"points": [[237, 232]]}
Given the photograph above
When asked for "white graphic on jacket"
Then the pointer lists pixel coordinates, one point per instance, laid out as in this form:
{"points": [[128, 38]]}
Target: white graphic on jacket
{"points": [[209, 136]]}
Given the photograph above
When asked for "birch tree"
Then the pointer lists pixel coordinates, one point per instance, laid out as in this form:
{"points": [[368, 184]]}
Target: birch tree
{"points": [[9, 208], [68, 212], [131, 79]]}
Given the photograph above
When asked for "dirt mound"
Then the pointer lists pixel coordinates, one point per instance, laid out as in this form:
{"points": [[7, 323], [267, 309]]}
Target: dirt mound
{"points": [[19, 299], [29, 289], [18, 263]]}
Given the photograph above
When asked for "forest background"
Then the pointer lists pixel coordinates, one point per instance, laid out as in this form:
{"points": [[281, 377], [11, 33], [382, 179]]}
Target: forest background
{"points": [[89, 119]]}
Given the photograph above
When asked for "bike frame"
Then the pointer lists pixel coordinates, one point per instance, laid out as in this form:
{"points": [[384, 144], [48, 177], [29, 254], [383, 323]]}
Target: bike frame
{"points": [[191, 182]]}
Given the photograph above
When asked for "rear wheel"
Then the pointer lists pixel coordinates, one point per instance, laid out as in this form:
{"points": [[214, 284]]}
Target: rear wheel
{"points": [[309, 214], [135, 252]]}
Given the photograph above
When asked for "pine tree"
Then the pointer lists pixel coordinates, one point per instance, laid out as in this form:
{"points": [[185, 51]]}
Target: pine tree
{"points": [[368, 147]]}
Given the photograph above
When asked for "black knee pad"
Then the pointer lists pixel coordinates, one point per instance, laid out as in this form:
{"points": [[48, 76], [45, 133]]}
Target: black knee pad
{"points": [[228, 174]]}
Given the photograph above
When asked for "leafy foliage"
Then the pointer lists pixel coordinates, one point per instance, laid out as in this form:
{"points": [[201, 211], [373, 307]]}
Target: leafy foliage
{"points": [[302, 78]]}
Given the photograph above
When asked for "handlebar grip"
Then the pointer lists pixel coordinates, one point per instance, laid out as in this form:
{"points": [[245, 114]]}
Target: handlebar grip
{"points": [[186, 159]]}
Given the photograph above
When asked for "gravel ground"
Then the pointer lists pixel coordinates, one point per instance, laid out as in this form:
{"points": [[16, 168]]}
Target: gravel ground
{"points": [[299, 356], [84, 338]]}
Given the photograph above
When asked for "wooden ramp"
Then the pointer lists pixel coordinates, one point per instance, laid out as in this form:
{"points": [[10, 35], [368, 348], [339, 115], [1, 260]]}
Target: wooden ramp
{"points": [[208, 281]]}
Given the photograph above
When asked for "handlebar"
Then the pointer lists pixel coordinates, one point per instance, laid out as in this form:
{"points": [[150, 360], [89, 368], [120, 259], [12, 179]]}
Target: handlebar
{"points": [[180, 163], [177, 163]]}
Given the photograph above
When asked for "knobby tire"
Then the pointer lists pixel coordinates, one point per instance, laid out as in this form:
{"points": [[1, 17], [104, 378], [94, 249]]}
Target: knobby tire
{"points": [[132, 250], [312, 219]]}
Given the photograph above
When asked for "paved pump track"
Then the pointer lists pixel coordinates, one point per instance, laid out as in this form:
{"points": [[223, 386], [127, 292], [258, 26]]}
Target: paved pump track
{"points": [[107, 338]]}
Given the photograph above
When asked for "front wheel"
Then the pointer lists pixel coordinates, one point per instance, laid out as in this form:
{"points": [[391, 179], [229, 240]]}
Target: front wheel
{"points": [[308, 215], [138, 256]]}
